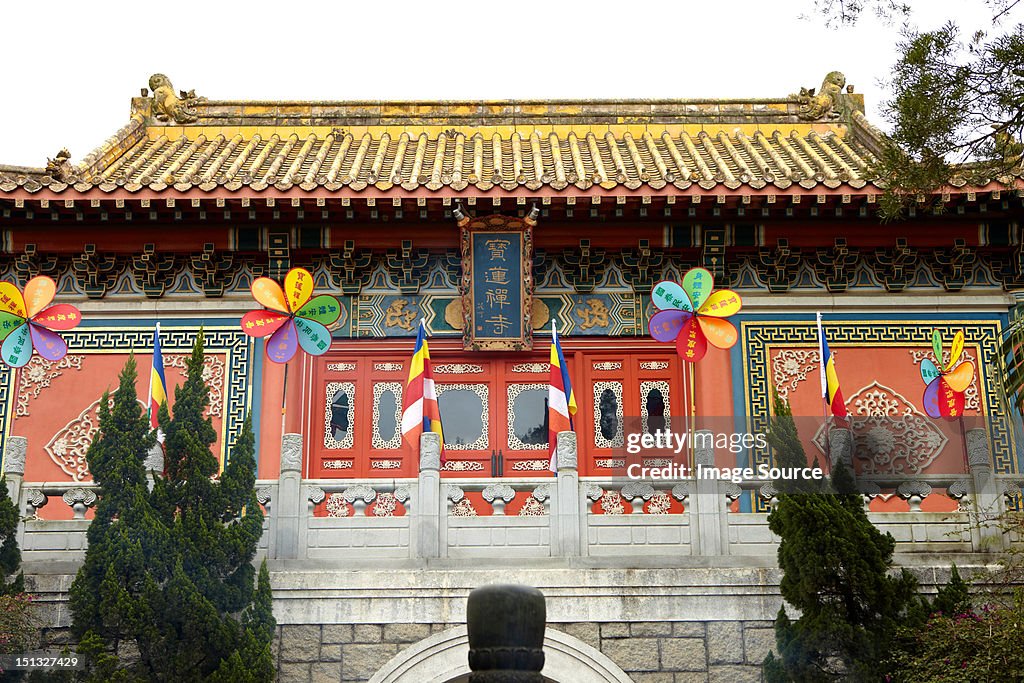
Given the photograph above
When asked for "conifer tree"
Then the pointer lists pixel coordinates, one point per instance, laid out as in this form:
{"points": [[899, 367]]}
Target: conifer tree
{"points": [[214, 530], [836, 572], [125, 534], [171, 569]]}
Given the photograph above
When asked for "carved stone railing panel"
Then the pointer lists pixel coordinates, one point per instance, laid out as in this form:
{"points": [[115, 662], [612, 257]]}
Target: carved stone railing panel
{"points": [[637, 493], [914, 492], [35, 500], [79, 500]]}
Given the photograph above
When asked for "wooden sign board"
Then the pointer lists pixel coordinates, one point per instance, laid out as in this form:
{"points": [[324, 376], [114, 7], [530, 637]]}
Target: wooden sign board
{"points": [[497, 283]]}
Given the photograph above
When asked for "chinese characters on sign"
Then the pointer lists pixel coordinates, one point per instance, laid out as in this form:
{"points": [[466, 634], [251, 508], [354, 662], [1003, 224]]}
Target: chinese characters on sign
{"points": [[497, 283], [497, 297]]}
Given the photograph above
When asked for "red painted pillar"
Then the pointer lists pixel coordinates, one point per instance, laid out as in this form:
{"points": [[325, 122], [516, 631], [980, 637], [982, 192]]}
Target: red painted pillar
{"points": [[270, 420], [293, 411]]}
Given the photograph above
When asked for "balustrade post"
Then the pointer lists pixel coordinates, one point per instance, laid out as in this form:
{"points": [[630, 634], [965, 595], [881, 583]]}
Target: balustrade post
{"points": [[154, 464], [428, 508], [14, 466], [987, 497], [708, 512], [840, 447], [14, 470], [567, 511], [290, 506]]}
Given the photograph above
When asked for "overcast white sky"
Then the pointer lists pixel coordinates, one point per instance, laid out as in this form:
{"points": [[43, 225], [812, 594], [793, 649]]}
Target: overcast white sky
{"points": [[72, 67]]}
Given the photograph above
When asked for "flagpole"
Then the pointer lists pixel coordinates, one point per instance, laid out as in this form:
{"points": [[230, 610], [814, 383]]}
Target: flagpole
{"points": [[824, 394], [284, 395], [149, 399], [686, 416], [553, 457], [423, 324], [692, 426]]}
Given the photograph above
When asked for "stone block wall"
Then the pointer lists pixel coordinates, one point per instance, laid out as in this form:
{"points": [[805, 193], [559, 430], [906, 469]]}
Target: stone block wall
{"points": [[650, 652]]}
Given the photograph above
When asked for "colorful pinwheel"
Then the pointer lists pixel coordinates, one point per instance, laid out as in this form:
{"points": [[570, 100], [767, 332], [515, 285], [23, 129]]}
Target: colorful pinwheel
{"points": [[944, 395], [295, 317], [691, 314], [27, 321]]}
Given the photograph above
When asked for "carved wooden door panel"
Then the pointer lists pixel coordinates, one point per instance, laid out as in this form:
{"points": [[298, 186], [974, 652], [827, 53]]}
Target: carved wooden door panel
{"points": [[625, 394], [356, 425], [522, 424], [465, 394]]}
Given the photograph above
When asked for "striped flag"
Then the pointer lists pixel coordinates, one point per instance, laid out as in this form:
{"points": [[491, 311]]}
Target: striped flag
{"points": [[830, 391], [561, 400], [420, 412], [157, 385]]}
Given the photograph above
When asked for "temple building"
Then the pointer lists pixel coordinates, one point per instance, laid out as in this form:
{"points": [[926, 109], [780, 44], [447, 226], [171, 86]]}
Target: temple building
{"points": [[491, 221]]}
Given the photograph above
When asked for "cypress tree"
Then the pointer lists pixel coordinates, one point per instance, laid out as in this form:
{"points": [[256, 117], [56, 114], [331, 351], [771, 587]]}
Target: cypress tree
{"points": [[172, 568], [106, 598], [214, 530], [836, 572]]}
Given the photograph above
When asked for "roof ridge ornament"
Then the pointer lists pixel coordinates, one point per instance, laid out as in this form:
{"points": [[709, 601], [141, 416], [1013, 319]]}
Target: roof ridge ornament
{"points": [[167, 106], [824, 104], [59, 168]]}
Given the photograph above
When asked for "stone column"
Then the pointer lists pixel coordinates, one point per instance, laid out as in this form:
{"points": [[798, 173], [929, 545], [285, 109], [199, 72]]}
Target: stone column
{"points": [[428, 506], [154, 465], [14, 467], [568, 514], [987, 496], [708, 510], [840, 447], [506, 634], [290, 504]]}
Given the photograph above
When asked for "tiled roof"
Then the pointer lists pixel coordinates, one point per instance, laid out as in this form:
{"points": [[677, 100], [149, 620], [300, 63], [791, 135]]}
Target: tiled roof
{"points": [[173, 143]]}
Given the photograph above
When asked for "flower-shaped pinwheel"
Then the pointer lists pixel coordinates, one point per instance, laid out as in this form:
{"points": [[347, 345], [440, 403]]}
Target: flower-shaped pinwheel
{"points": [[944, 395], [27, 321], [294, 319], [692, 314]]}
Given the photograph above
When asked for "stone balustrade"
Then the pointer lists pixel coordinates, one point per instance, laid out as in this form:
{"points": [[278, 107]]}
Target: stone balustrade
{"points": [[365, 521]]}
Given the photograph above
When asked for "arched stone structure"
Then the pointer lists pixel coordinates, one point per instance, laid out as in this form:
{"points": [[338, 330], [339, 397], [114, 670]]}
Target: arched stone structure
{"points": [[444, 658]]}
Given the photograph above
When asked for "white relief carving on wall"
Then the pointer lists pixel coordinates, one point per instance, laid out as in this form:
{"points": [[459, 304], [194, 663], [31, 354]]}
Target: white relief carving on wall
{"points": [[67, 448], [213, 378], [792, 366], [38, 374], [891, 435]]}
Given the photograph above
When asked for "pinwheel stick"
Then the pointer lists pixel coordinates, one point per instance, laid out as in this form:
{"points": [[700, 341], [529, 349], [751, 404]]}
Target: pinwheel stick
{"points": [[963, 443], [284, 397], [686, 417]]}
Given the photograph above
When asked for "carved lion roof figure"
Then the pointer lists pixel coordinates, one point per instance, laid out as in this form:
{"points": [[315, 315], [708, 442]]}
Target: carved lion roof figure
{"points": [[167, 106], [814, 107]]}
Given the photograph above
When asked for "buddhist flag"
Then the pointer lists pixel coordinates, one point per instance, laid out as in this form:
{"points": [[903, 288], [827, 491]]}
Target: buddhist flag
{"points": [[830, 391], [157, 384], [561, 400], [420, 412]]}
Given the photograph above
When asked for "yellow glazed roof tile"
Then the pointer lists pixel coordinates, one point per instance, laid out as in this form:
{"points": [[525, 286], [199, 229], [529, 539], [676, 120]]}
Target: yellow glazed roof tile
{"points": [[190, 142]]}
